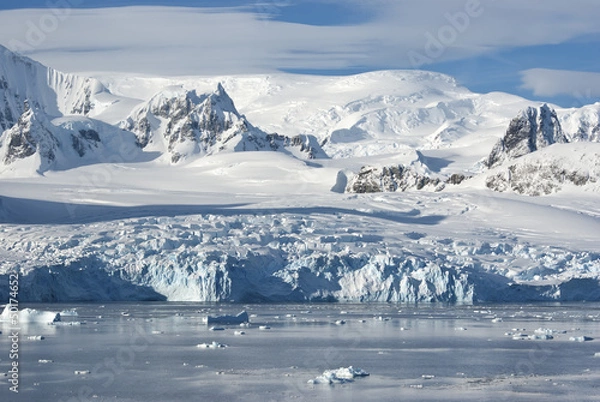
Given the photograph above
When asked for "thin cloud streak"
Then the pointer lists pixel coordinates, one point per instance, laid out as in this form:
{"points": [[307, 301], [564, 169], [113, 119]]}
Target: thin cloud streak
{"points": [[196, 41]]}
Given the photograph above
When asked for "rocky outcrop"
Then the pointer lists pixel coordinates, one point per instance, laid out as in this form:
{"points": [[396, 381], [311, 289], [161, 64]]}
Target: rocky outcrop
{"points": [[531, 130], [398, 178]]}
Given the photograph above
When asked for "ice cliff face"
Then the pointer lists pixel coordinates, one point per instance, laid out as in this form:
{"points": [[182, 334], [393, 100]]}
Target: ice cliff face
{"points": [[284, 257], [186, 124], [533, 129]]}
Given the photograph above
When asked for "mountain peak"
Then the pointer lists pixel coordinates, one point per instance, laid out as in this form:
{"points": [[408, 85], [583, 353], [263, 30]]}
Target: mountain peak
{"points": [[532, 129]]}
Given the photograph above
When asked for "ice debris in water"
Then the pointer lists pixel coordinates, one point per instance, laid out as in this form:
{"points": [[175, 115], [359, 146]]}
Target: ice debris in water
{"points": [[212, 345], [548, 331], [580, 339], [339, 376]]}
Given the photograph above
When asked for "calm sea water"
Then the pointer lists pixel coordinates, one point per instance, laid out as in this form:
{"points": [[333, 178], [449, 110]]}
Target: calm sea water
{"points": [[148, 352]]}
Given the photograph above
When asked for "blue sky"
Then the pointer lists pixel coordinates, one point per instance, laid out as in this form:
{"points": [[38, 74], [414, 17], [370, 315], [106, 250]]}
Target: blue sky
{"points": [[543, 50]]}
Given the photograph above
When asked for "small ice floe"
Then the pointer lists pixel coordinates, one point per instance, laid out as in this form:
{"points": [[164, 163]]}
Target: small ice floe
{"points": [[212, 345], [45, 361], [217, 329], [36, 338], [239, 333], [428, 376], [339, 376], [580, 339], [340, 322], [227, 319], [264, 327], [82, 372]]}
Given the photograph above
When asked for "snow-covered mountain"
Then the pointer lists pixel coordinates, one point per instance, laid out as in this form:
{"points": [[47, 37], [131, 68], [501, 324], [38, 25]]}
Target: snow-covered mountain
{"points": [[582, 124], [36, 144], [379, 190], [183, 124], [53, 92]]}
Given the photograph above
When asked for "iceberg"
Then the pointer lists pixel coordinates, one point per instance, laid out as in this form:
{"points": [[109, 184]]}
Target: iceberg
{"points": [[28, 315], [339, 376]]}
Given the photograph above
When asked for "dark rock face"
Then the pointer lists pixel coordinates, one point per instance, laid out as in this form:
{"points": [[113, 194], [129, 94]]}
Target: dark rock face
{"points": [[533, 129]]}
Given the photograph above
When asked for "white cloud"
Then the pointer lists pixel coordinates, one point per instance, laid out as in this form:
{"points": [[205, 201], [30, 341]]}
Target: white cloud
{"points": [[185, 41], [577, 84]]}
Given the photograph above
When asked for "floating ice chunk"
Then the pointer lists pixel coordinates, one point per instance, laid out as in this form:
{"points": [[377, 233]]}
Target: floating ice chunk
{"points": [[227, 319], [339, 376], [580, 339], [212, 345], [28, 315], [540, 337], [548, 331], [82, 372]]}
